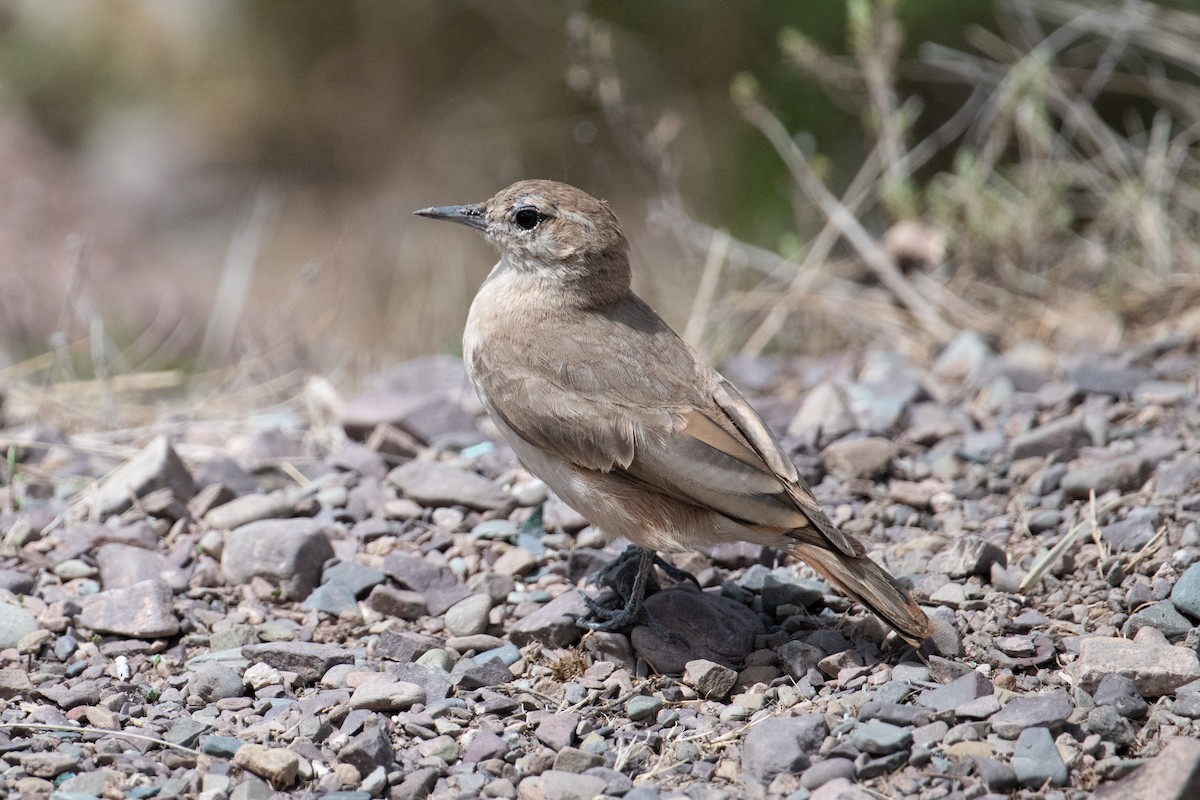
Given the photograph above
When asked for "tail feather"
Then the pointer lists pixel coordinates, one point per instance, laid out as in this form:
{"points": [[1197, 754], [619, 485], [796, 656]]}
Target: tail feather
{"points": [[863, 580]]}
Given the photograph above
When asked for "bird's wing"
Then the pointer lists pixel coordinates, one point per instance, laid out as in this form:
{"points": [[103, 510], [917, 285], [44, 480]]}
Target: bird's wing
{"points": [[683, 431]]}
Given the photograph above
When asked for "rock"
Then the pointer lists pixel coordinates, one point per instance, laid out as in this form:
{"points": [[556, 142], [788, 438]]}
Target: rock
{"points": [[475, 673], [880, 738], [356, 578], [558, 730], [1162, 616], [277, 765], [14, 682], [1179, 478], [1124, 474], [1037, 761], [515, 561], [965, 355], [1174, 774], [15, 623], [799, 657], [307, 659], [468, 616], [1130, 534], [387, 696], [554, 623], [1118, 381], [143, 611], [841, 789], [782, 744], [213, 681], [1049, 710], [1120, 692], [399, 603], [157, 466], [333, 599], [439, 586], [1109, 725], [251, 508], [824, 411], [1185, 595], [859, 458], [434, 484], [968, 555], [641, 707], [956, 693], [48, 765], [288, 553], [1156, 669], [1062, 436], [559, 785], [404, 647], [825, 771], [484, 744], [416, 785], [708, 678], [710, 626], [572, 759], [370, 749]]}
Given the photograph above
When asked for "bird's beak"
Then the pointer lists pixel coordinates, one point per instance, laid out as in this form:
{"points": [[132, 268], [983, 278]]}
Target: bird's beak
{"points": [[471, 216]]}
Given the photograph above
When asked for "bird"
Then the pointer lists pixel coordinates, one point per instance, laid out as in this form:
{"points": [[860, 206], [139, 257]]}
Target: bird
{"points": [[622, 419]]}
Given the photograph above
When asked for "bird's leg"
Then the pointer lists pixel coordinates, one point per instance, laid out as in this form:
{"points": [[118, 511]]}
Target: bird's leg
{"points": [[615, 576]]}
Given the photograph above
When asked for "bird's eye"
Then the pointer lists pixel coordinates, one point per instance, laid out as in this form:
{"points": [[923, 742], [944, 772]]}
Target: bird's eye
{"points": [[527, 217]]}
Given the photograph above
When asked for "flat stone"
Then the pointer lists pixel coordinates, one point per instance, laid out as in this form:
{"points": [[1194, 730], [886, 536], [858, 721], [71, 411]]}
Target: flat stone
{"points": [[554, 623], [434, 484], [560, 785], [1049, 710], [485, 745], [288, 553], [405, 646], [143, 611], [277, 765], [387, 696], [515, 561], [356, 578], [1161, 615], [122, 565], [880, 738], [251, 508], [333, 599], [966, 556], [475, 673], [1109, 725], [558, 730], [399, 603], [1174, 774], [1063, 436], [14, 682], [825, 771], [782, 745], [572, 759], [956, 693], [440, 587], [708, 678], [859, 458], [157, 466], [1124, 474], [371, 749], [48, 765], [1036, 760], [1128, 535], [435, 682], [642, 707], [709, 625], [213, 681], [1156, 669], [308, 660], [825, 410], [1120, 692], [841, 789], [1179, 478]]}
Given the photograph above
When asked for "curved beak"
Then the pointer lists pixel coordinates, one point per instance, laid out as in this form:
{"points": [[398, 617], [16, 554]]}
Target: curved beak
{"points": [[471, 216]]}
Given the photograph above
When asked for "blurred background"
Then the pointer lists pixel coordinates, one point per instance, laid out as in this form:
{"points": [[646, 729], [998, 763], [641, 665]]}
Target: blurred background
{"points": [[197, 183]]}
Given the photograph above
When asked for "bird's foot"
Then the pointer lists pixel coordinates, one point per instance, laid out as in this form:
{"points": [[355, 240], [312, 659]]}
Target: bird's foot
{"points": [[632, 590]]}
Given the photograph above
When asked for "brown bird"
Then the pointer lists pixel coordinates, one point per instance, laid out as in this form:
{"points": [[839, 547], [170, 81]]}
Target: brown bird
{"points": [[627, 423]]}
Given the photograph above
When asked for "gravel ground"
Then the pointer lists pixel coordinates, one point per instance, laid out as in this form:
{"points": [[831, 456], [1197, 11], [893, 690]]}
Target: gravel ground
{"points": [[382, 604]]}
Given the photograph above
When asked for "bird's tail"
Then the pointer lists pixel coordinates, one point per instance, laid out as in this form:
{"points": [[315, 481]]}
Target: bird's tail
{"points": [[863, 580]]}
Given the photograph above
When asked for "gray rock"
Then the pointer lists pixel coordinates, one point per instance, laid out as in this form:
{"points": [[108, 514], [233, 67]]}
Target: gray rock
{"points": [[1124, 474], [642, 707], [1130, 534], [1156, 669], [1062, 436], [475, 673], [572, 759], [558, 730], [143, 611], [439, 586], [435, 484], [956, 693], [1120, 692], [387, 696], [1161, 615], [468, 616], [969, 555], [1118, 381], [288, 553], [157, 466], [308, 660], [554, 623], [48, 765], [1174, 774], [965, 355], [122, 565], [399, 603], [1186, 593], [559, 785], [213, 681], [15, 622], [1109, 725], [484, 745], [435, 682], [1037, 761], [708, 678], [866, 457], [824, 411], [370, 749], [1179, 478], [404, 647], [16, 581], [14, 682], [782, 744], [709, 625], [357, 578], [251, 508], [799, 657], [1049, 710], [68, 697], [996, 775], [825, 771], [880, 738]]}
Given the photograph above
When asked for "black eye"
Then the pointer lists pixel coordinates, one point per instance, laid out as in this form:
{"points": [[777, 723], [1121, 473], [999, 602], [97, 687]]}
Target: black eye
{"points": [[527, 217]]}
